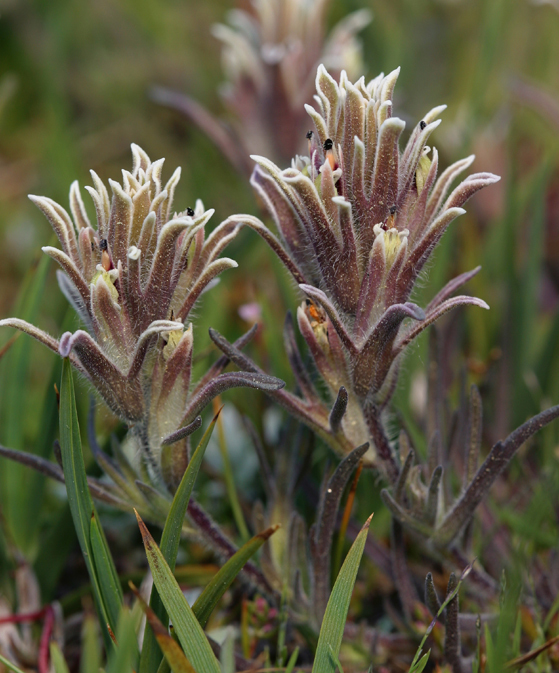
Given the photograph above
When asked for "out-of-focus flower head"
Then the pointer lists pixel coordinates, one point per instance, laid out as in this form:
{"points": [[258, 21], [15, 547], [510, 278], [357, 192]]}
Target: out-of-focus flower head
{"points": [[133, 279], [270, 55]]}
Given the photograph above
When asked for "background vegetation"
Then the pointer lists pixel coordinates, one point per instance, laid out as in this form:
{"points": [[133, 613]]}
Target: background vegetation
{"points": [[74, 93]]}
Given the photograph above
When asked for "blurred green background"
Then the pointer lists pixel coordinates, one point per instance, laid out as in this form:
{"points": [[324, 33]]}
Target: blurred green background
{"points": [[74, 83]]}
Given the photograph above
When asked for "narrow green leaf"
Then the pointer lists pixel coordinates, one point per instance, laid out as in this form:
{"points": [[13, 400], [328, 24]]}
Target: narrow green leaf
{"points": [[105, 568], [208, 599], [227, 656], [20, 489], [170, 539], [10, 666], [90, 660], [164, 666], [124, 656], [189, 632], [336, 660], [523, 300], [292, 661], [79, 497], [232, 495], [174, 656], [333, 624], [57, 659], [489, 650], [420, 665]]}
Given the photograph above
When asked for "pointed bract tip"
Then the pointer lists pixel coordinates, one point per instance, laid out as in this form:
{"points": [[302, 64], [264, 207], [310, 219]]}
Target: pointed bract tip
{"points": [[266, 534], [321, 70]]}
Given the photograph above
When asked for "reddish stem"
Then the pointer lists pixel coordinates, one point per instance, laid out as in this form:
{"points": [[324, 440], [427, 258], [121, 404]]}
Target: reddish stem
{"points": [[48, 626], [28, 617], [48, 613]]}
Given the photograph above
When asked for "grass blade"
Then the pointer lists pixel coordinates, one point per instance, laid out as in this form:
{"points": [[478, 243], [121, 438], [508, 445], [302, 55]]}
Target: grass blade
{"points": [[333, 624], [123, 658], [57, 659], [292, 661], [420, 665], [208, 599], [232, 495], [170, 648], [20, 489], [90, 660], [524, 659], [173, 525], [189, 632], [79, 497], [169, 546], [10, 666], [105, 567]]}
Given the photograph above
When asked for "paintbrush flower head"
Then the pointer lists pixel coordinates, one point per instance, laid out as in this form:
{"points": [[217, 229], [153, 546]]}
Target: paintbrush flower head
{"points": [[358, 218], [133, 279]]}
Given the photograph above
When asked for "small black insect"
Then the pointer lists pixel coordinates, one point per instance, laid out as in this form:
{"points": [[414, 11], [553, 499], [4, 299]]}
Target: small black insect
{"points": [[190, 212], [103, 245], [309, 135], [422, 124], [328, 144], [392, 210]]}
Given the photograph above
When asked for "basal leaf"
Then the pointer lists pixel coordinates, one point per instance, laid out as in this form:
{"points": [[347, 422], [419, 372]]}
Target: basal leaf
{"points": [[189, 632], [105, 568], [420, 665], [208, 599], [79, 498], [170, 648], [9, 666], [333, 624], [58, 662], [124, 656], [20, 489], [151, 656], [90, 660]]}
